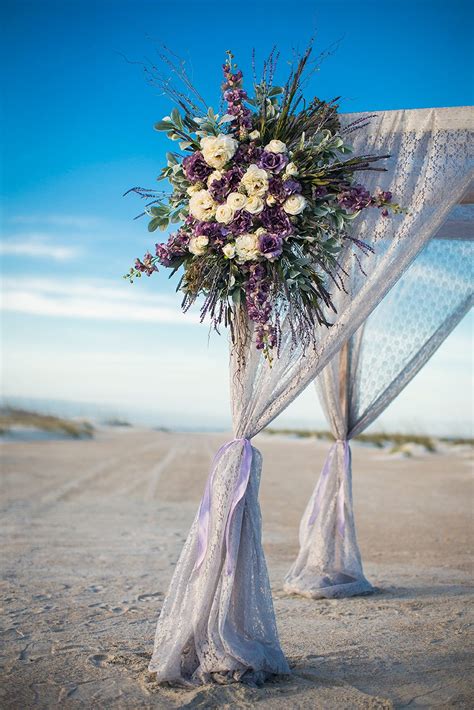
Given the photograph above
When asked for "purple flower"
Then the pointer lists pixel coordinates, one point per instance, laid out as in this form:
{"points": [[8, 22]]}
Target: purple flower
{"points": [[241, 223], [248, 153], [163, 254], [319, 192], [212, 230], [196, 168], [354, 198], [275, 188], [276, 221], [273, 161], [271, 246], [178, 243], [220, 188], [146, 266], [292, 187]]}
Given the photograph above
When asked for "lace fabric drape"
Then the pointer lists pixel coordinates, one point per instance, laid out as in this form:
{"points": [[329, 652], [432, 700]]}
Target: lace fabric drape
{"points": [[219, 625], [367, 374]]}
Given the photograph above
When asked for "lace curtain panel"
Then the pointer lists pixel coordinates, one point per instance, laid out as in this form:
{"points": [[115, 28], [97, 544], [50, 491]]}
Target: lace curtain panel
{"points": [[367, 374], [217, 620]]}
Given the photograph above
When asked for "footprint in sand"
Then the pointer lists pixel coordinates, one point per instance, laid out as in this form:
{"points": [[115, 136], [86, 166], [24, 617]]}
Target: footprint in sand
{"points": [[150, 596], [99, 659]]}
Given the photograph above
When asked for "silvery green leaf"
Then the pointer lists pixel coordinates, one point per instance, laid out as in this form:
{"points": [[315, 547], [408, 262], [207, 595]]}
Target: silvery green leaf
{"points": [[226, 118], [185, 144]]}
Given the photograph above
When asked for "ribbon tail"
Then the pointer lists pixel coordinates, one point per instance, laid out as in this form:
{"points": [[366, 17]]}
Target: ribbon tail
{"points": [[239, 492]]}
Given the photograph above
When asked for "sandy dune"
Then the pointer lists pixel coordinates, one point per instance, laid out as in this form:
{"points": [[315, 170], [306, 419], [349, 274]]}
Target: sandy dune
{"points": [[92, 531]]}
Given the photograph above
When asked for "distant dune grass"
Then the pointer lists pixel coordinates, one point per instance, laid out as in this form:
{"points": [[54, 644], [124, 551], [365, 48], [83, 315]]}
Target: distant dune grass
{"points": [[397, 442], [11, 418]]}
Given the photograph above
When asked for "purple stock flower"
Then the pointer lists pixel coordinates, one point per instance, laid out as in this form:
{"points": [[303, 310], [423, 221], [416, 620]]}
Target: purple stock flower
{"points": [[241, 223], [146, 266], [273, 161], [292, 187], [354, 198], [196, 168], [163, 254], [271, 246], [212, 230], [276, 221]]}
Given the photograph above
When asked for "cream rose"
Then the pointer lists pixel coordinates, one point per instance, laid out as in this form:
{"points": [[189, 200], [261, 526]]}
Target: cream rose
{"points": [[254, 204], [295, 204], [276, 146], [236, 200], [216, 175], [270, 201], [218, 150], [291, 170], [254, 135], [246, 247], [198, 245], [224, 214], [255, 181], [229, 251], [192, 189], [202, 206]]}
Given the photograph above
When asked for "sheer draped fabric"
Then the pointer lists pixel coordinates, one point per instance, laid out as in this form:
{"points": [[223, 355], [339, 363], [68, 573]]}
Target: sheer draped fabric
{"points": [[222, 626], [367, 374]]}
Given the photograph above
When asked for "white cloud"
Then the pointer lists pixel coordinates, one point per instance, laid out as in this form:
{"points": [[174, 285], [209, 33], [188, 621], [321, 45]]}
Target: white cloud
{"points": [[58, 220], [37, 245], [93, 300]]}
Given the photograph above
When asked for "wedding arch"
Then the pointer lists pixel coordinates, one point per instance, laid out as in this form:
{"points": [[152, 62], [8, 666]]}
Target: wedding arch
{"points": [[360, 382], [217, 620]]}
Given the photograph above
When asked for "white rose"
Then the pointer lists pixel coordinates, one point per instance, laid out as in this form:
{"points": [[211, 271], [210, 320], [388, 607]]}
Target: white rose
{"points": [[295, 204], [197, 245], [202, 206], [255, 181], [236, 200], [276, 146], [246, 247], [192, 189], [216, 175], [229, 251], [254, 135], [270, 201], [291, 170], [218, 150], [261, 230], [224, 214], [254, 204]]}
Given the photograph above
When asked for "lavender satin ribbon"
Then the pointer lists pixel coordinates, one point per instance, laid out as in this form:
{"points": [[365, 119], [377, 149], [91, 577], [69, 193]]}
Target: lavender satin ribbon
{"points": [[322, 485], [238, 493]]}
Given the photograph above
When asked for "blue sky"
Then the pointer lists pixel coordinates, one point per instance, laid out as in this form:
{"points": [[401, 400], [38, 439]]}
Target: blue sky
{"points": [[77, 132]]}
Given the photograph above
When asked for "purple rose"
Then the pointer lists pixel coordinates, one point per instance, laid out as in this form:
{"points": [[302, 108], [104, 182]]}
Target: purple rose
{"points": [[276, 188], [196, 168], [276, 221], [241, 223], [273, 161], [220, 188], [248, 153], [270, 245]]}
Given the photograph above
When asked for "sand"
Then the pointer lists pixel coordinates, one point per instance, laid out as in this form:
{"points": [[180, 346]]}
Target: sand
{"points": [[92, 531]]}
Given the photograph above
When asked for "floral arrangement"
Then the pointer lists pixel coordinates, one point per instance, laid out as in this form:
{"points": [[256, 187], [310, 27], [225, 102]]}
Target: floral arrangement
{"points": [[265, 195]]}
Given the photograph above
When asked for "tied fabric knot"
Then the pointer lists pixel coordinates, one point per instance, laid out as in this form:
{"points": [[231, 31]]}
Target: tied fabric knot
{"points": [[238, 493], [322, 485]]}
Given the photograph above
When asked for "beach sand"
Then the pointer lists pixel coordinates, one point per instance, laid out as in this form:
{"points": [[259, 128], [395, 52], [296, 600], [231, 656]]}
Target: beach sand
{"points": [[92, 531]]}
